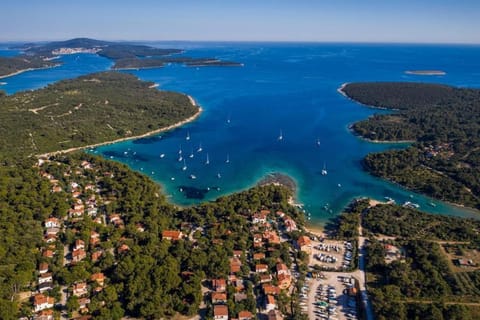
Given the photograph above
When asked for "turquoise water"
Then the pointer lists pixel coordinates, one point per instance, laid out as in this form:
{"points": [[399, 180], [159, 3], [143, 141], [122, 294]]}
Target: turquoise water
{"points": [[287, 89]]}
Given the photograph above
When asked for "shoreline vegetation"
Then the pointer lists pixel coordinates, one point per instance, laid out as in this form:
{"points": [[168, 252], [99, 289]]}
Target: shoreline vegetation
{"points": [[28, 69], [147, 134], [442, 161]]}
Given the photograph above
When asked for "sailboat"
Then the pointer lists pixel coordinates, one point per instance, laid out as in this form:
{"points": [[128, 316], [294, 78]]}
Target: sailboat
{"points": [[318, 142], [324, 170], [280, 137], [188, 136], [180, 158], [191, 154], [184, 165], [228, 119], [208, 160], [199, 148], [228, 159], [162, 155]]}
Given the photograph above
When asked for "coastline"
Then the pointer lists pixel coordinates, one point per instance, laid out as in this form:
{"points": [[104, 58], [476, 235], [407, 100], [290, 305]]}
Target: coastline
{"points": [[340, 90], [25, 70], [350, 128], [153, 132]]}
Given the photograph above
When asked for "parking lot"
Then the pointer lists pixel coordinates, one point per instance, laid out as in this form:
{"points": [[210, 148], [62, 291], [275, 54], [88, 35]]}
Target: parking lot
{"points": [[330, 297], [331, 254]]}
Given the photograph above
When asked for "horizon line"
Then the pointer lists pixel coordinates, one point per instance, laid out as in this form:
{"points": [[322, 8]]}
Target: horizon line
{"points": [[256, 41]]}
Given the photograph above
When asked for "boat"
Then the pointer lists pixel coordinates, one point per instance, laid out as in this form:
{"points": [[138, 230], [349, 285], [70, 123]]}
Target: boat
{"points": [[180, 158], [324, 170], [432, 204], [318, 142], [188, 136], [162, 155], [208, 160], [219, 175], [191, 154], [172, 178], [193, 177], [411, 205], [180, 150], [199, 148], [228, 159], [184, 165], [280, 137]]}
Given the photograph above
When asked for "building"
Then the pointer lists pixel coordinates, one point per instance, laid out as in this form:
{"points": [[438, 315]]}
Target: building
{"points": [[52, 223], [172, 235], [269, 289], [245, 315], [45, 277], [282, 269], [220, 312], [235, 265], [270, 303], [219, 297], [258, 256], [99, 278], [78, 255], [43, 268], [79, 289], [42, 302], [284, 281], [304, 244], [219, 285], [261, 268]]}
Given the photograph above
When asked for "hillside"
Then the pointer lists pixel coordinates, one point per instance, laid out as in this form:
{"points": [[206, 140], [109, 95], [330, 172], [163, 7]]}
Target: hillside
{"points": [[444, 123], [87, 110]]}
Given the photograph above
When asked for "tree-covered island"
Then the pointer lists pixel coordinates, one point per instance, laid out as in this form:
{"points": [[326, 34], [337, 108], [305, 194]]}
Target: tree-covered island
{"points": [[444, 124], [124, 55]]}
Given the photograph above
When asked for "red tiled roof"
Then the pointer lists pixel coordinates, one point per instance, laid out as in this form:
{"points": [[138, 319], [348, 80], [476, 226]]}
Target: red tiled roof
{"points": [[220, 310]]}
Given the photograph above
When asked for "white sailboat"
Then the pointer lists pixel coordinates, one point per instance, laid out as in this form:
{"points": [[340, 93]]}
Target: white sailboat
{"points": [[188, 136], [199, 148], [162, 155], [228, 159], [280, 137], [184, 165], [208, 160], [318, 142], [324, 170], [191, 154]]}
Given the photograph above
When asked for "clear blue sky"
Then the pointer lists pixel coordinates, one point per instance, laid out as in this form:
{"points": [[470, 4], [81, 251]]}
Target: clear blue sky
{"points": [[424, 21]]}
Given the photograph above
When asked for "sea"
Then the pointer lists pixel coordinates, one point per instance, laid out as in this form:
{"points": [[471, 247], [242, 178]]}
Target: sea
{"points": [[280, 112]]}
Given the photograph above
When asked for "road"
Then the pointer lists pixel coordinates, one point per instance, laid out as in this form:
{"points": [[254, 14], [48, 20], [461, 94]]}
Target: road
{"points": [[361, 273]]}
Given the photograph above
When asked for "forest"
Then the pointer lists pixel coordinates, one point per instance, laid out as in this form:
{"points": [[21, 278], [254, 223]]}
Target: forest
{"points": [[9, 65], [87, 110], [420, 283], [443, 123], [153, 278]]}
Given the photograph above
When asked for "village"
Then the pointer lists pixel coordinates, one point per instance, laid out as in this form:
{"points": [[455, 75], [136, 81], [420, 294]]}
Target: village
{"points": [[286, 269]]}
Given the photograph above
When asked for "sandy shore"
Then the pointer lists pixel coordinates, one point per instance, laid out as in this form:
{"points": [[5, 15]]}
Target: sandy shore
{"points": [[173, 126], [340, 90]]}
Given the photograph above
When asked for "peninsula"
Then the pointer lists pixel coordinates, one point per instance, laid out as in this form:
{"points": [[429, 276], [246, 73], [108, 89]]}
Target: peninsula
{"points": [[444, 123], [88, 110]]}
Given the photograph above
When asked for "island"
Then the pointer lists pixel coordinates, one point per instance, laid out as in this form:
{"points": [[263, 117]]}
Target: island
{"points": [[124, 56], [87, 111], [443, 123], [426, 72]]}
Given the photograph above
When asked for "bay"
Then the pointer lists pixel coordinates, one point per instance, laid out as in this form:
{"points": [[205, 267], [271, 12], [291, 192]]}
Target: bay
{"points": [[287, 89]]}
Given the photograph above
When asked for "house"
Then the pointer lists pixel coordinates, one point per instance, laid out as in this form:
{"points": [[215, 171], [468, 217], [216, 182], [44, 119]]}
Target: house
{"points": [[79, 289], [290, 225], [220, 312], [265, 278], [45, 277], [271, 237], [238, 297], [123, 248], [44, 315], [172, 235], [270, 303], [237, 253], [260, 268], [52, 231], [282, 269], [56, 188], [94, 238], [245, 315], [280, 214], [235, 265], [96, 255], [50, 238], [78, 255], [259, 217], [219, 297], [284, 281], [304, 244], [43, 268], [79, 244], [42, 302], [219, 285], [98, 278], [258, 256], [52, 223], [270, 290], [48, 254]]}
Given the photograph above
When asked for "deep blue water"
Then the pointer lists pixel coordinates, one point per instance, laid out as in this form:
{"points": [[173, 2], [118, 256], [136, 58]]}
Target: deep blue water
{"points": [[283, 88]]}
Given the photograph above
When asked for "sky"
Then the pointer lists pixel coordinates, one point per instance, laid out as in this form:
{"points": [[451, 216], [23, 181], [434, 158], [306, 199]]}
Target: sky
{"points": [[398, 21]]}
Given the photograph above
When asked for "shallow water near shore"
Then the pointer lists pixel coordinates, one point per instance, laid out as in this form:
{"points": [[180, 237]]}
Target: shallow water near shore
{"points": [[280, 112]]}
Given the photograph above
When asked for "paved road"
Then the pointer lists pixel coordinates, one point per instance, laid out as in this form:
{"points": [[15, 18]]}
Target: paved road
{"points": [[362, 274]]}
